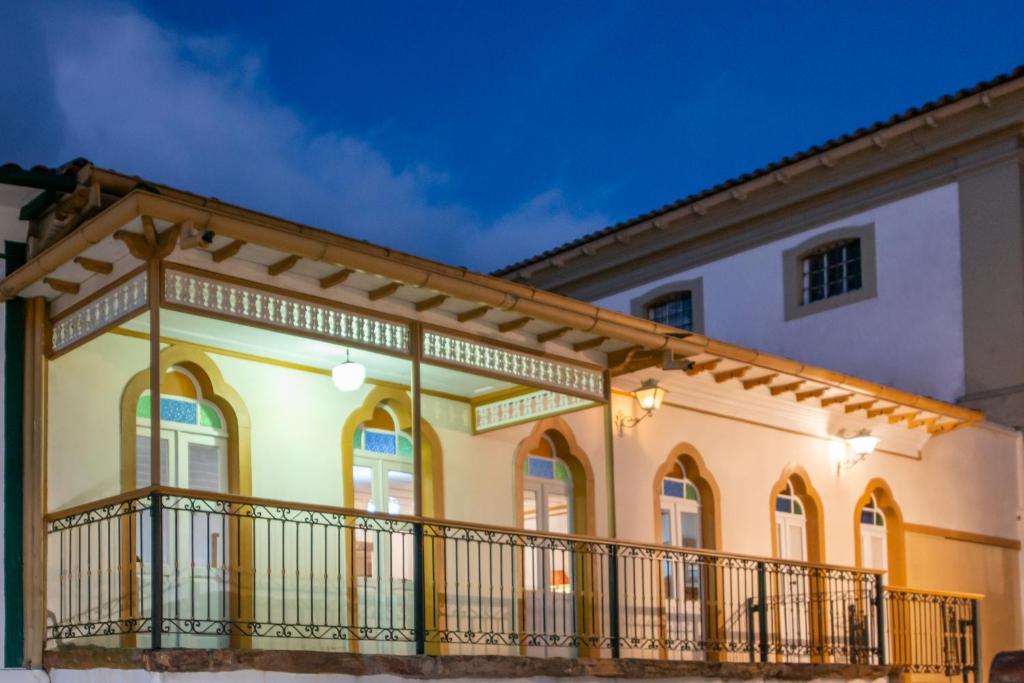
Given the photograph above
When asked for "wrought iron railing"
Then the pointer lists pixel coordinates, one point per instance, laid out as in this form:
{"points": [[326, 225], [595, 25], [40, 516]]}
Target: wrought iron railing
{"points": [[168, 567]]}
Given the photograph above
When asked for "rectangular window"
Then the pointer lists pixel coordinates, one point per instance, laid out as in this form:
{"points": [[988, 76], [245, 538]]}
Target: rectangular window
{"points": [[675, 310], [831, 271]]}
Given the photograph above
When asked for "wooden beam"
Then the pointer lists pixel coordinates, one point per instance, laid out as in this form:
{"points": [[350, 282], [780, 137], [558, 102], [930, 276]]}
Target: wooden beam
{"points": [[749, 384], [877, 412], [702, 366], [811, 393], [838, 398], [337, 278], [588, 344], [227, 251], [896, 419], [863, 405], [62, 286], [551, 335], [926, 422], [944, 427], [95, 266], [735, 373], [166, 241], [383, 292], [513, 324], [283, 266], [136, 243], [432, 302], [783, 388], [473, 314], [149, 230]]}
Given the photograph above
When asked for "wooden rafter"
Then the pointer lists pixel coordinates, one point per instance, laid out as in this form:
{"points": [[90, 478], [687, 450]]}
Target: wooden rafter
{"points": [[900, 417], [551, 335], [788, 386], [284, 265], [734, 373], [588, 344], [166, 241], [863, 405], [227, 251], [878, 412], [838, 398], [94, 265], [811, 393], [383, 292], [514, 324], [62, 286], [136, 243], [703, 366], [473, 314], [432, 302], [926, 422], [749, 384], [336, 278], [943, 427]]}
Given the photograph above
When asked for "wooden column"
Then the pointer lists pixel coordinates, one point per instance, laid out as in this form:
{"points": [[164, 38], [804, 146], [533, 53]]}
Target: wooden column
{"points": [[415, 347], [609, 456], [153, 287], [34, 479]]}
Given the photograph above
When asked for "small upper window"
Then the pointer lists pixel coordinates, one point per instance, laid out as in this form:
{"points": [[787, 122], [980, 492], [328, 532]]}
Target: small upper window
{"points": [[831, 270], [674, 309]]}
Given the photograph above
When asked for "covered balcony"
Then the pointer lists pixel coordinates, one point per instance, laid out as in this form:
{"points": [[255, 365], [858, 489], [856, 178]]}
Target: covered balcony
{"points": [[355, 459]]}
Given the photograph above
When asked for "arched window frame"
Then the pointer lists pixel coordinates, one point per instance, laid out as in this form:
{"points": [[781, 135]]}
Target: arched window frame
{"points": [[640, 305], [793, 271]]}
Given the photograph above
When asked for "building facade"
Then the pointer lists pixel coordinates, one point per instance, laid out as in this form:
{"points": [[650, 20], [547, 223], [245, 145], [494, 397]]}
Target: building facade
{"points": [[365, 455]]}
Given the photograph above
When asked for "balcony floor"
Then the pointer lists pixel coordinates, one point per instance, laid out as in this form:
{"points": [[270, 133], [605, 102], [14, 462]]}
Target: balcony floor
{"points": [[478, 667]]}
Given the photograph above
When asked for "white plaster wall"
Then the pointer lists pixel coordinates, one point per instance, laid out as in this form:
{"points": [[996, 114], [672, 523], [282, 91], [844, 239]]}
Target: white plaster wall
{"points": [[909, 336]]}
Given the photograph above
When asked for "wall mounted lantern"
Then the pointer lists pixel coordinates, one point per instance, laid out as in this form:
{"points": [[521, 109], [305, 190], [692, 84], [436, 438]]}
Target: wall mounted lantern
{"points": [[648, 397], [348, 376], [861, 445]]}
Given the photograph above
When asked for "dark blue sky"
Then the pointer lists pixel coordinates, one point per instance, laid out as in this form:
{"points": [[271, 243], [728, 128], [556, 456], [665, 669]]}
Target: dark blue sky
{"points": [[477, 133]]}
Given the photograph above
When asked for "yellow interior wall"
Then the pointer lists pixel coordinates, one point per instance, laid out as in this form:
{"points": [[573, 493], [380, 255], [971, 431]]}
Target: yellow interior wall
{"points": [[938, 563]]}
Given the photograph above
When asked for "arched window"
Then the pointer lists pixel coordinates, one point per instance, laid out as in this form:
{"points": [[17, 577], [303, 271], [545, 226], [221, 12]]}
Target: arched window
{"points": [[679, 304], [790, 525], [193, 437], [382, 465], [681, 526], [547, 506], [829, 269], [873, 544], [674, 309]]}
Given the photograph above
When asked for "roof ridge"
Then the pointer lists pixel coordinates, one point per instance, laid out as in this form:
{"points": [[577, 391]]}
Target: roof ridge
{"points": [[771, 167]]}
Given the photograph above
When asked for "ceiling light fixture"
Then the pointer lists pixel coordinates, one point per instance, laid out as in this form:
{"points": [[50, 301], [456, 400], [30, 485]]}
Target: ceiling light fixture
{"points": [[348, 376]]}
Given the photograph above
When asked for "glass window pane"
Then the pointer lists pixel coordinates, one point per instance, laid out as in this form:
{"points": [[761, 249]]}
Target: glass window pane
{"points": [[798, 508], [362, 479], [795, 540], [543, 468], [142, 469], [204, 467], [673, 488], [691, 492], [380, 442], [558, 514], [867, 517], [783, 504], [400, 493], [666, 527], [530, 510], [689, 524]]}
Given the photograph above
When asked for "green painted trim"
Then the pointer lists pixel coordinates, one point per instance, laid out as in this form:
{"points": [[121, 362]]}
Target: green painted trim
{"points": [[14, 411], [43, 180], [38, 206]]}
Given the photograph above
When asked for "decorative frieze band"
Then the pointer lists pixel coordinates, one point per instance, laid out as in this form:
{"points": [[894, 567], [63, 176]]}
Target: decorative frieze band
{"points": [[249, 304], [514, 365], [118, 303], [524, 408]]}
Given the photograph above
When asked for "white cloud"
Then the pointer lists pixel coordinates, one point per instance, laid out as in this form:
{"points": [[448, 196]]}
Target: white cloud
{"points": [[189, 111]]}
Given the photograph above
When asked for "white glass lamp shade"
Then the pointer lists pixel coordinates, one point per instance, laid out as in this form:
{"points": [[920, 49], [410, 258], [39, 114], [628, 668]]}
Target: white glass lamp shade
{"points": [[348, 376], [863, 443], [649, 395]]}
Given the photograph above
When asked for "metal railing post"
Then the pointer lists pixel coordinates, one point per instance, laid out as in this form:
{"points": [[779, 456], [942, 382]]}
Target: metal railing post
{"points": [[880, 625], [613, 599], [976, 638], [156, 598], [419, 590], [762, 609]]}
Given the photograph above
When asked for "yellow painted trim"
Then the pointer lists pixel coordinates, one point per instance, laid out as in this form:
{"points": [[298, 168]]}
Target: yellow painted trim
{"points": [[965, 536]]}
